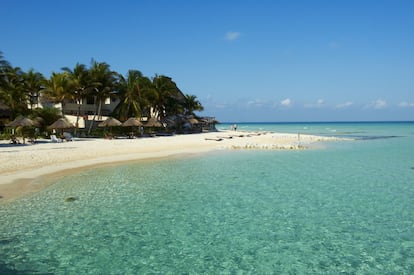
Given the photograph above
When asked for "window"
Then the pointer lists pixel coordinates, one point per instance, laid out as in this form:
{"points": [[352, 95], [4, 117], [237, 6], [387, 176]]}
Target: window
{"points": [[90, 100]]}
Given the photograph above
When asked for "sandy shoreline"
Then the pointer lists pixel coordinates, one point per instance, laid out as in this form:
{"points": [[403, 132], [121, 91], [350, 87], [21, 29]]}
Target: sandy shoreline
{"points": [[22, 164]]}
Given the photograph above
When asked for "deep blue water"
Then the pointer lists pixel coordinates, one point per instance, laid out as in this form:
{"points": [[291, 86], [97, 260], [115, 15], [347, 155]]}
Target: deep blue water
{"points": [[347, 208]]}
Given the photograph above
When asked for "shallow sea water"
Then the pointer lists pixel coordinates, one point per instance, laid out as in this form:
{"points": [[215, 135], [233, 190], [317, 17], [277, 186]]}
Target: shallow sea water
{"points": [[345, 208]]}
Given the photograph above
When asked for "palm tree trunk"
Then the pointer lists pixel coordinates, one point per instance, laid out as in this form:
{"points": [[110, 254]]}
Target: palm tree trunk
{"points": [[127, 110], [100, 109], [77, 117], [97, 113], [62, 104], [93, 119]]}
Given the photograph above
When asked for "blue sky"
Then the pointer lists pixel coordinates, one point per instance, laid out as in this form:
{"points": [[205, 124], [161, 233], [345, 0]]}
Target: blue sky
{"points": [[320, 60]]}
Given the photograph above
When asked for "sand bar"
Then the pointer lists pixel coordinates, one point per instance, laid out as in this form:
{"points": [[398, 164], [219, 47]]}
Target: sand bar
{"points": [[21, 164]]}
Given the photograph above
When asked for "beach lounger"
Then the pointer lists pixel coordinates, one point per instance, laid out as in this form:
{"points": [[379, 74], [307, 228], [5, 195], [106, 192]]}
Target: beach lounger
{"points": [[68, 136], [53, 138]]}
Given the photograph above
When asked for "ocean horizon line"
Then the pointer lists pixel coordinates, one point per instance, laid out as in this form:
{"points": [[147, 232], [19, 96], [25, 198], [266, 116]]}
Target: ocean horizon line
{"points": [[317, 122]]}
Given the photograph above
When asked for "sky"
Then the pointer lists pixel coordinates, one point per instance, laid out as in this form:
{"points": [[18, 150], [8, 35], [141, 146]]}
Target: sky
{"points": [[245, 60]]}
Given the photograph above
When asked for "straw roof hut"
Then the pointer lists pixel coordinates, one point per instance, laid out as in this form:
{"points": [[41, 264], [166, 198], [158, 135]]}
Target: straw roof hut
{"points": [[21, 121], [110, 122], [61, 123], [153, 122], [132, 121]]}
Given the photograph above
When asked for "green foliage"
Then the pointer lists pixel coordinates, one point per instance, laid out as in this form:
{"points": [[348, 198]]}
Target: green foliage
{"points": [[48, 115], [58, 88], [138, 94], [170, 98], [3, 62], [32, 86], [135, 93], [5, 136], [191, 104], [12, 91]]}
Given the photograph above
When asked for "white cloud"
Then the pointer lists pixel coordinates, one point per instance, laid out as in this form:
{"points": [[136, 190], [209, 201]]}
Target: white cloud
{"points": [[286, 102], [406, 104], [378, 104], [318, 104], [231, 36], [257, 103], [344, 105]]}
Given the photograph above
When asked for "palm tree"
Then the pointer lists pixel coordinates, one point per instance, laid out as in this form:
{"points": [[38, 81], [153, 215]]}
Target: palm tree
{"points": [[4, 66], [12, 90], [3, 62], [170, 98], [140, 96], [48, 115], [32, 85], [191, 104], [103, 83], [129, 92], [58, 89], [135, 93], [81, 84], [148, 95]]}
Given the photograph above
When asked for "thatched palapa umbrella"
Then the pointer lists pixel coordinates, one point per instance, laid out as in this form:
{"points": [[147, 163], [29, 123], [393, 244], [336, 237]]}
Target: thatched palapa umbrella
{"points": [[62, 124], [110, 122], [132, 122], [153, 122], [21, 122]]}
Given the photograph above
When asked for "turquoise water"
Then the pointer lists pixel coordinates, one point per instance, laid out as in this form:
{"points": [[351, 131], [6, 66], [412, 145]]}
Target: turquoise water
{"points": [[347, 208]]}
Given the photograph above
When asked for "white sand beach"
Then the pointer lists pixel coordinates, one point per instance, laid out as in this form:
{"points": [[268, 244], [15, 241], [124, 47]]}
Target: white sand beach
{"points": [[23, 168]]}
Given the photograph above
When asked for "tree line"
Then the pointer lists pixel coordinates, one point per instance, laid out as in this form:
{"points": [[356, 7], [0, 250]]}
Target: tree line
{"points": [[138, 95]]}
